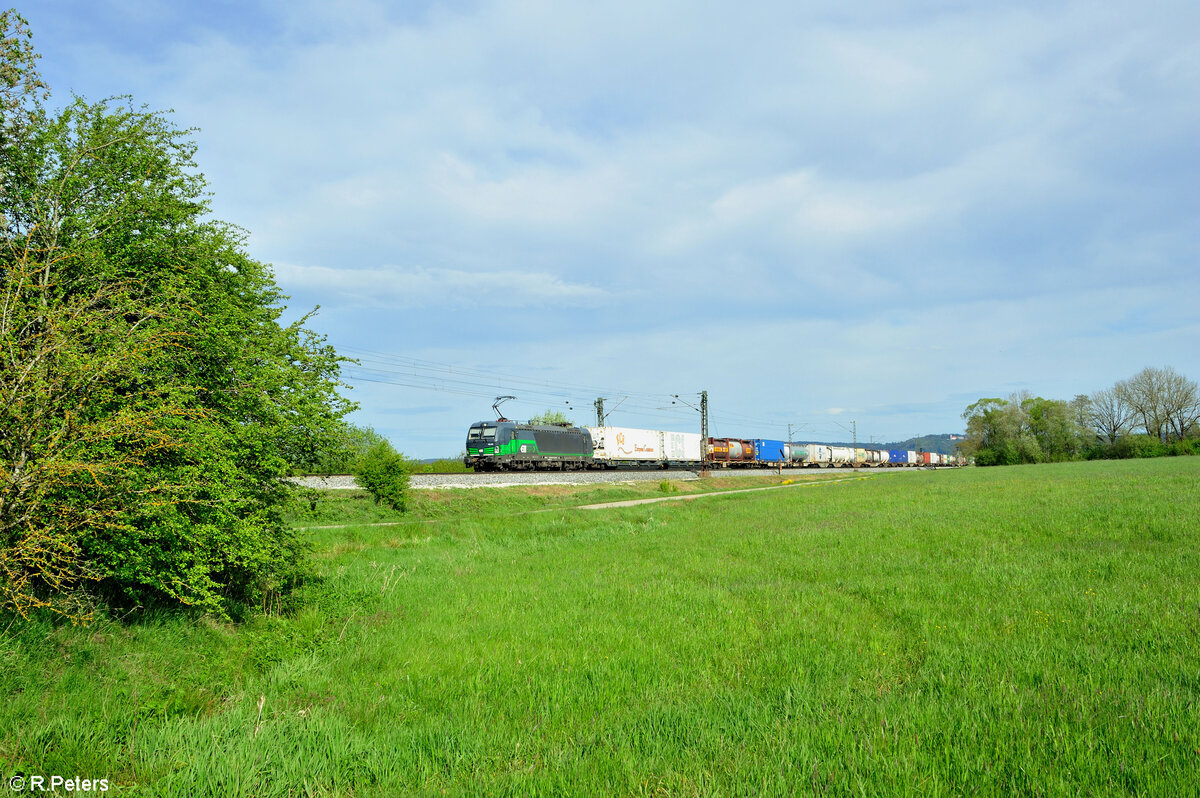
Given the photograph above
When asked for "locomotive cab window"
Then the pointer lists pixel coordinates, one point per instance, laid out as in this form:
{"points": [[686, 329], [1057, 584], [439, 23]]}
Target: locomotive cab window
{"points": [[482, 434]]}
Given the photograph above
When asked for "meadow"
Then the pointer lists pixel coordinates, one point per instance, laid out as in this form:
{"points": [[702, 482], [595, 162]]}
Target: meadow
{"points": [[1027, 629]]}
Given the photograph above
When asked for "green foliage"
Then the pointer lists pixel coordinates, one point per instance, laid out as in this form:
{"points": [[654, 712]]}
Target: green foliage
{"points": [[994, 631], [384, 472], [150, 398], [313, 507], [1022, 429], [552, 417], [1131, 446], [441, 467], [1027, 429], [341, 450]]}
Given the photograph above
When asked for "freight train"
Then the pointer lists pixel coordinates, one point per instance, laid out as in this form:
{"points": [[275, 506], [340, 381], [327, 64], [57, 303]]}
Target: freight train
{"points": [[505, 445]]}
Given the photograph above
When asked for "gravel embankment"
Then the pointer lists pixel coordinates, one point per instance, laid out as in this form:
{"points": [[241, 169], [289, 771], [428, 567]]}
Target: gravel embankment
{"points": [[502, 480], [542, 478], [435, 481], [345, 482]]}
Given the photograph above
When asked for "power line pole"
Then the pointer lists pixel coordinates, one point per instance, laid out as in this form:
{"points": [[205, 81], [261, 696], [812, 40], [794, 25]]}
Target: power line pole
{"points": [[704, 434], [854, 431], [599, 403]]}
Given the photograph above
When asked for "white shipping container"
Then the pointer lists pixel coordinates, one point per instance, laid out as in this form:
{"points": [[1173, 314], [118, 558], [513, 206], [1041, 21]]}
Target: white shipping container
{"points": [[818, 453], [682, 446], [841, 455], [625, 443]]}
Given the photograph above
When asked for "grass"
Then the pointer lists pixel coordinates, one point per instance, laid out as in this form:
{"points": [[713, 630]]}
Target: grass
{"points": [[1031, 629], [338, 507], [445, 466]]}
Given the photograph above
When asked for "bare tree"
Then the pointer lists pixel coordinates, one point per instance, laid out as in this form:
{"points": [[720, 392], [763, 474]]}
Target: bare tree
{"points": [[1143, 393], [1165, 402], [1109, 415], [1181, 404]]}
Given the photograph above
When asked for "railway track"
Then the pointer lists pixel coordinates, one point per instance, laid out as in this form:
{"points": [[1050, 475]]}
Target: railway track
{"points": [[501, 479]]}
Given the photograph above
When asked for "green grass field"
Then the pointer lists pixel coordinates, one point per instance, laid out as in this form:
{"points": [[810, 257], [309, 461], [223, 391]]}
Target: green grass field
{"points": [[1031, 630]]}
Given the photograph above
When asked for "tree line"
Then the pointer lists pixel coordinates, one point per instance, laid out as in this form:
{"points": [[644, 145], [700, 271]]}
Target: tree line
{"points": [[1155, 412]]}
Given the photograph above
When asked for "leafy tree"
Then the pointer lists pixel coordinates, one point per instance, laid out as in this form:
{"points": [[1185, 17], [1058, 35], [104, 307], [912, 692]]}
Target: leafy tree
{"points": [[988, 432], [1053, 424], [150, 398], [1081, 415], [343, 449], [552, 417], [1021, 429]]}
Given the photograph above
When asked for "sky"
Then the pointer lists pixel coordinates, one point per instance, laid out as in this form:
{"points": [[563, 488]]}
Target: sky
{"points": [[832, 217]]}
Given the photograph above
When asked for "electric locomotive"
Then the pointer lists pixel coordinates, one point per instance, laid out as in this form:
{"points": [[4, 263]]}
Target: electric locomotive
{"points": [[511, 446]]}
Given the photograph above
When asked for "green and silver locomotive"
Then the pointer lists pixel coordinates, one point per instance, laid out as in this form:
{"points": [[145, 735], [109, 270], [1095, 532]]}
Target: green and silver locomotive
{"points": [[511, 446]]}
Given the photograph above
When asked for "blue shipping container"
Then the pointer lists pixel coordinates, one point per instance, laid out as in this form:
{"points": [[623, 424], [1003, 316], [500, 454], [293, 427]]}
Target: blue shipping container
{"points": [[895, 456], [769, 451]]}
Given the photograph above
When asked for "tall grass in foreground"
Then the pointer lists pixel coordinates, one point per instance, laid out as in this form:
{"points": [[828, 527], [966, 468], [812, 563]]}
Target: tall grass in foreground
{"points": [[1030, 629]]}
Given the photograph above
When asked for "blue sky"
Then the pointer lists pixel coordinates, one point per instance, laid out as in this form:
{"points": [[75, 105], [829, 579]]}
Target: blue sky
{"points": [[818, 212]]}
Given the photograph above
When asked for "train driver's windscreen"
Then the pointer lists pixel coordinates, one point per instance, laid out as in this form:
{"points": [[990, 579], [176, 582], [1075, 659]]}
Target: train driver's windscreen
{"points": [[485, 433]]}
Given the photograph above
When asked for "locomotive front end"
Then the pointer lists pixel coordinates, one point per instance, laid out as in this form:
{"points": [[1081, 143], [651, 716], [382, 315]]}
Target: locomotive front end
{"points": [[481, 448]]}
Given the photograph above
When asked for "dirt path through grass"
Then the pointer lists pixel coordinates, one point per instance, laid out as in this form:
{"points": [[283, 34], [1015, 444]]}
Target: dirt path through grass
{"points": [[690, 496]]}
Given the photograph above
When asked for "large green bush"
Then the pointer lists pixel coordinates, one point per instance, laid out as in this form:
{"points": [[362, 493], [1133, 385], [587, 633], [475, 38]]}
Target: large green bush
{"points": [[384, 472], [150, 399]]}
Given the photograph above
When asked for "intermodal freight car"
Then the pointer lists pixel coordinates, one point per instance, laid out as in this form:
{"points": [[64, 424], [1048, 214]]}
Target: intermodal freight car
{"points": [[511, 446]]}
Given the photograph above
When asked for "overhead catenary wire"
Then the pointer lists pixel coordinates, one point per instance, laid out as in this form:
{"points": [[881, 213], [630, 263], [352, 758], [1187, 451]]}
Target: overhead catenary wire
{"points": [[459, 390], [417, 364], [430, 375]]}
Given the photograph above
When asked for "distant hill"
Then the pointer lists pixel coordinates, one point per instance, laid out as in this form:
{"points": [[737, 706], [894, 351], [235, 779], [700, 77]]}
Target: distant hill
{"points": [[946, 443]]}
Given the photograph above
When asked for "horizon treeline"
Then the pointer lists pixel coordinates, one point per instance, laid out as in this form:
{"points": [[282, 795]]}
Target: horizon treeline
{"points": [[1155, 412]]}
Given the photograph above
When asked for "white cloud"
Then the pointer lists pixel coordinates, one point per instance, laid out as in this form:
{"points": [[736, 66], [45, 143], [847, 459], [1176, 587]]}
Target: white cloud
{"points": [[448, 288], [535, 195], [690, 192]]}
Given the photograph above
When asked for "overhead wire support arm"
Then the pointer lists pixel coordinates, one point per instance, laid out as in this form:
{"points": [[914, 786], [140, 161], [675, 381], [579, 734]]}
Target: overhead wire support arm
{"points": [[703, 410]]}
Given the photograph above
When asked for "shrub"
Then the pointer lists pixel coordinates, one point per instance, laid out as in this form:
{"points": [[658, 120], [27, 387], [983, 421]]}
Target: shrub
{"points": [[1185, 447], [150, 397], [384, 472], [1132, 446]]}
